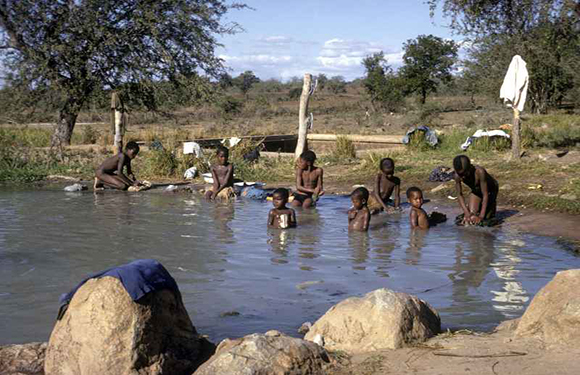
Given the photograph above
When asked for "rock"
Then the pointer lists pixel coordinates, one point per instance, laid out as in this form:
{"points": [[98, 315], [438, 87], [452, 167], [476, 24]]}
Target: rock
{"points": [[554, 314], [304, 328], [508, 325], [105, 332], [382, 319], [26, 359], [267, 354]]}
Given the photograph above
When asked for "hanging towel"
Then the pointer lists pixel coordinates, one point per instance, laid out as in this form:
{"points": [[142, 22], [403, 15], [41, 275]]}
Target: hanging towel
{"points": [[515, 84]]}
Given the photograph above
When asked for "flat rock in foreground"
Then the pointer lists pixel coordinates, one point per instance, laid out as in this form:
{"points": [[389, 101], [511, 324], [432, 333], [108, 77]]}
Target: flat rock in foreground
{"points": [[25, 359], [105, 332], [382, 319], [554, 314], [268, 354]]}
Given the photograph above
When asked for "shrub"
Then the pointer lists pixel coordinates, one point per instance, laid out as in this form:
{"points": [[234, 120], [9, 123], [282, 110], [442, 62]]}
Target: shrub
{"points": [[344, 148]]}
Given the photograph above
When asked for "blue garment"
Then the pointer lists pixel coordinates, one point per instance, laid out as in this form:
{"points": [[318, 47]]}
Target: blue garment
{"points": [[430, 135], [139, 278]]}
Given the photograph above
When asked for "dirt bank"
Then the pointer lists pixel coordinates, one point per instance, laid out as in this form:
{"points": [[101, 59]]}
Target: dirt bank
{"points": [[465, 353]]}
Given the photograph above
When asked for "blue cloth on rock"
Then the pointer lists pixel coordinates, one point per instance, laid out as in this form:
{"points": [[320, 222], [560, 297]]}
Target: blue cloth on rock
{"points": [[139, 278], [430, 135]]}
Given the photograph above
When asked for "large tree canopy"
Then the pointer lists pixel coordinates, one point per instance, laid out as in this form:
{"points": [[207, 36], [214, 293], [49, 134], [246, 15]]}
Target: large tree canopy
{"points": [[546, 33], [75, 47], [428, 61]]}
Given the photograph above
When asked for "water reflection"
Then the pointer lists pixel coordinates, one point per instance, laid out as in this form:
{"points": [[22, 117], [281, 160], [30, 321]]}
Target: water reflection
{"points": [[359, 245], [416, 243], [280, 240]]}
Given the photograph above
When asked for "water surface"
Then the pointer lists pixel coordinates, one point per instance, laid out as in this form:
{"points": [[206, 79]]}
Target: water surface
{"points": [[225, 259]]}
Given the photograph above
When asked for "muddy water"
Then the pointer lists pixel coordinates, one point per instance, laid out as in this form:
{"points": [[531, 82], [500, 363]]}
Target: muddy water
{"points": [[225, 259]]}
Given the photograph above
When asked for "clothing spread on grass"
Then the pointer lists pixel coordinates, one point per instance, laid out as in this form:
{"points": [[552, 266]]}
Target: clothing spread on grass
{"points": [[430, 135], [483, 133], [441, 174], [515, 84], [139, 278]]}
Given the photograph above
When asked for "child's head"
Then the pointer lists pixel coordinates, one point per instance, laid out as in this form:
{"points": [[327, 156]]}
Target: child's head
{"points": [[280, 197], [387, 166], [462, 166], [132, 149], [415, 196], [222, 154], [307, 159], [359, 197]]}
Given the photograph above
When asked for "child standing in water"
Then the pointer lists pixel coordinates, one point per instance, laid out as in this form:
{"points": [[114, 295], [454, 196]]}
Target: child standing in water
{"points": [[281, 216], [110, 172], [359, 215], [386, 185], [418, 216], [309, 184], [223, 176], [484, 191]]}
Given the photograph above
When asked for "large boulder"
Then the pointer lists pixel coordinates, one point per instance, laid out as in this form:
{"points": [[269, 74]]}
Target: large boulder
{"points": [[105, 332], [26, 359], [268, 354], [554, 313], [382, 319]]}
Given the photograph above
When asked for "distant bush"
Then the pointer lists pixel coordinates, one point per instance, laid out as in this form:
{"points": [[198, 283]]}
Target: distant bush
{"points": [[344, 148]]}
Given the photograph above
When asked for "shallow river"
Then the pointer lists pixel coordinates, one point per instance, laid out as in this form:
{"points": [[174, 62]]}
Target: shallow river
{"points": [[225, 259]]}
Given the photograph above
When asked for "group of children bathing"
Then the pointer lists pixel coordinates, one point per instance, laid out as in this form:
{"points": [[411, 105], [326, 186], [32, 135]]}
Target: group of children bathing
{"points": [[309, 187]]}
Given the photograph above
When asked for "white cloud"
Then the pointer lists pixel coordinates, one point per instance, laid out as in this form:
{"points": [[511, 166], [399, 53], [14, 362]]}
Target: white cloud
{"points": [[260, 59]]}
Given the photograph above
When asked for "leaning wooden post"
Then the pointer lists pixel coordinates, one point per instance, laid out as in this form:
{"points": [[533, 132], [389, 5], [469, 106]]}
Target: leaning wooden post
{"points": [[117, 110], [303, 116], [516, 135]]}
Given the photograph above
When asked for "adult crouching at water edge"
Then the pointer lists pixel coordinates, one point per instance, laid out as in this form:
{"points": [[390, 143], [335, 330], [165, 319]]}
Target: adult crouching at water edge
{"points": [[484, 190]]}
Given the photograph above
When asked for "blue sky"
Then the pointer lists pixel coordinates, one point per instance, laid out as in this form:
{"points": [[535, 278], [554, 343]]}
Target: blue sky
{"points": [[286, 38]]}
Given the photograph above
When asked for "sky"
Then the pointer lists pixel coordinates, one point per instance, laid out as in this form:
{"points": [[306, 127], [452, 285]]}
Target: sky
{"points": [[287, 38]]}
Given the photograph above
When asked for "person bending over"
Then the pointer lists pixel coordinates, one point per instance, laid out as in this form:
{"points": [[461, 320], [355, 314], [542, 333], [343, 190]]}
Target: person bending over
{"points": [[110, 172]]}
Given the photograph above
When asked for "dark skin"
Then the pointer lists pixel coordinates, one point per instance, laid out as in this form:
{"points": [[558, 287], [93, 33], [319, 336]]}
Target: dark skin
{"points": [[110, 172], [308, 182], [359, 215], [418, 216], [275, 216], [223, 175], [474, 177], [385, 185]]}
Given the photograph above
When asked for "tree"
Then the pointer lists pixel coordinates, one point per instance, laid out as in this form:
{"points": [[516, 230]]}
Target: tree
{"points": [[322, 81], [245, 81], [337, 85], [428, 61], [546, 33], [75, 47], [380, 82]]}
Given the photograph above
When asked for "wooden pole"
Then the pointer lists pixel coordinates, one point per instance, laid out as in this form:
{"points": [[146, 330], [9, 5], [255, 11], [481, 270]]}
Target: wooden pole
{"points": [[303, 116], [117, 117], [516, 152]]}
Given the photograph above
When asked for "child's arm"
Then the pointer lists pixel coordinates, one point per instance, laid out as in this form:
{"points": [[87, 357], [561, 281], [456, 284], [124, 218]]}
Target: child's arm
{"points": [[414, 219], [459, 191], [215, 185], [351, 214], [271, 218], [120, 164], [397, 193], [366, 219], [130, 172], [292, 218], [480, 173], [422, 219], [377, 192], [319, 185]]}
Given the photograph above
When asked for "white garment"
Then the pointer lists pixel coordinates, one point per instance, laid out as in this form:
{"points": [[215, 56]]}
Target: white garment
{"points": [[483, 133], [515, 84]]}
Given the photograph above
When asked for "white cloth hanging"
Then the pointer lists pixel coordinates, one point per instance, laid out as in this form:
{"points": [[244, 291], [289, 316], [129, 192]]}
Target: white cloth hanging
{"points": [[515, 84]]}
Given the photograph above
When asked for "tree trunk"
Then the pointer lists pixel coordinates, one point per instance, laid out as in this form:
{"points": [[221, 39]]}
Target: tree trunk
{"points": [[516, 152], [303, 117], [423, 97], [67, 119]]}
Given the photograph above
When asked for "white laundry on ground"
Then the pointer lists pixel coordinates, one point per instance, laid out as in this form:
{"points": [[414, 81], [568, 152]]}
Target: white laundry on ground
{"points": [[483, 133]]}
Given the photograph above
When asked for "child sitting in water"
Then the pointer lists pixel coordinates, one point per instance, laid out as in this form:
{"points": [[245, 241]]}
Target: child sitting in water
{"points": [[281, 216], [418, 216], [484, 190], [110, 172], [308, 181], [386, 185], [359, 215], [223, 176]]}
